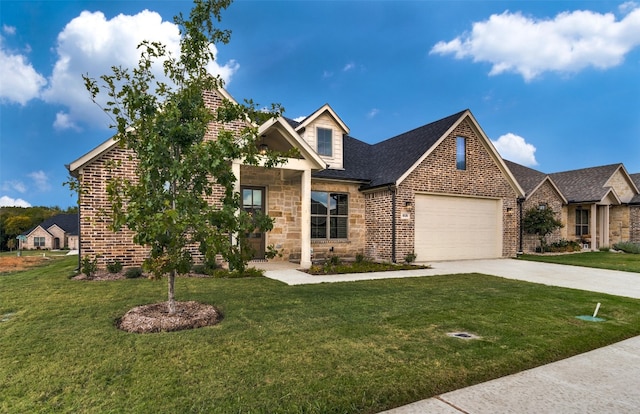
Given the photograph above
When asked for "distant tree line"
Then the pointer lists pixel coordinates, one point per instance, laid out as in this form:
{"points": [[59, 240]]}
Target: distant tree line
{"points": [[16, 220]]}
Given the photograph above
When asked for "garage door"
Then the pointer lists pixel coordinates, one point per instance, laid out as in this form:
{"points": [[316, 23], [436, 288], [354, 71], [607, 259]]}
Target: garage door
{"points": [[453, 228]]}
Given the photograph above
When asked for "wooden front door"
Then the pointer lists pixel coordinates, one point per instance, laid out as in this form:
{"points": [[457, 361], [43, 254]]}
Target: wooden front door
{"points": [[253, 202]]}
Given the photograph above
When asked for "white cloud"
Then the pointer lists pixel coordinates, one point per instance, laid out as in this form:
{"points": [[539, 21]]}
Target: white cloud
{"points": [[20, 81], [570, 42], [41, 180], [300, 118], [14, 186], [91, 44], [6, 201], [10, 30], [372, 113], [514, 148], [63, 121], [349, 66]]}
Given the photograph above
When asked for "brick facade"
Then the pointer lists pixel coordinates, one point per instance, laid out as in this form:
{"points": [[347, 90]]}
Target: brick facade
{"points": [[438, 174], [545, 195], [634, 218]]}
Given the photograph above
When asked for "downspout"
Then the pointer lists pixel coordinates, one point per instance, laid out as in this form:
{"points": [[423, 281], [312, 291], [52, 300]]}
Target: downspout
{"points": [[392, 188], [521, 235]]}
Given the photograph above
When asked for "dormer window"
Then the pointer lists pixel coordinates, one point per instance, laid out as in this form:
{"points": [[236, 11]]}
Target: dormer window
{"points": [[325, 142]]}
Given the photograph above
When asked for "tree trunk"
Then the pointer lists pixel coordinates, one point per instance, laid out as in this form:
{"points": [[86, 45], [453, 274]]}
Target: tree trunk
{"points": [[172, 299]]}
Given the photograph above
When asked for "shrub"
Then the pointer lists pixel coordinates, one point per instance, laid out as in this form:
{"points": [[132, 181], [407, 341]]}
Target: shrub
{"points": [[562, 246], [410, 257], [360, 258], [114, 267], [133, 273], [628, 247], [89, 266], [604, 248]]}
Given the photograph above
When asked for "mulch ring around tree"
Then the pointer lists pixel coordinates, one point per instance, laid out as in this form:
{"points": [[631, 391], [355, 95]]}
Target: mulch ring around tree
{"points": [[155, 317]]}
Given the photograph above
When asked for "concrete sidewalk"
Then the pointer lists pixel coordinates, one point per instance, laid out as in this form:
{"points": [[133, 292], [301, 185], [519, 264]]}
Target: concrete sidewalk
{"points": [[606, 380]]}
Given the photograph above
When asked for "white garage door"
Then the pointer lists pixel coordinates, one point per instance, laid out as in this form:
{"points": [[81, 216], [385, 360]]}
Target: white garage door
{"points": [[452, 228]]}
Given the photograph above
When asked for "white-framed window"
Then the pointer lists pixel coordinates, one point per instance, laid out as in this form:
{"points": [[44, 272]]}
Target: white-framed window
{"points": [[461, 153], [38, 242], [325, 141], [582, 221], [329, 215]]}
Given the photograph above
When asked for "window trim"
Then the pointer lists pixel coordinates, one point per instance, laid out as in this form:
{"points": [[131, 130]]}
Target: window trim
{"points": [[461, 153], [329, 217], [580, 224], [328, 151], [39, 241]]}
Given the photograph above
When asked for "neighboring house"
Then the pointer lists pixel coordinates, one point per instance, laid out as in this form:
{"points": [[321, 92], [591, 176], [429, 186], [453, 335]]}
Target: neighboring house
{"points": [[634, 212], [600, 205], [57, 232], [441, 191], [540, 192]]}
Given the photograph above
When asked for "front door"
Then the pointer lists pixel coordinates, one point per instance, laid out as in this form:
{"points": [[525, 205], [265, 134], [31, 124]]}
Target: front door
{"points": [[253, 202]]}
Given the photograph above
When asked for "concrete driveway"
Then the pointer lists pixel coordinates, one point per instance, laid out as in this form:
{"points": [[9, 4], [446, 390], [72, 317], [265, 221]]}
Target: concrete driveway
{"points": [[596, 280]]}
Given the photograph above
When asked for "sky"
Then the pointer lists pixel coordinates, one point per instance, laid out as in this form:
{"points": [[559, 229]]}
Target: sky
{"points": [[555, 85]]}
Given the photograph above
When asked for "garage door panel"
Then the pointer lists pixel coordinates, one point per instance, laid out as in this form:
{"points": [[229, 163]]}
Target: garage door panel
{"points": [[449, 228]]}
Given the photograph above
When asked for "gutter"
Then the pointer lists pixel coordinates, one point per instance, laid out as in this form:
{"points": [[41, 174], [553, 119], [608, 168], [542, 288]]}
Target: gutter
{"points": [[393, 189]]}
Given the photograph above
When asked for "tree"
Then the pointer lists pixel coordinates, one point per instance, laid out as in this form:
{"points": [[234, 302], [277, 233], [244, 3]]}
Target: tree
{"points": [[168, 205], [541, 222]]}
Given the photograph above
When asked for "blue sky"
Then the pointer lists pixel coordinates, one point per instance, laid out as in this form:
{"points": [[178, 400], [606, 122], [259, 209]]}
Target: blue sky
{"points": [[554, 84]]}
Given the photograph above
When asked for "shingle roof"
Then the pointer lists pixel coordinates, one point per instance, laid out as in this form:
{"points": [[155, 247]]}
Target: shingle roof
{"points": [[67, 222], [636, 180], [585, 185], [528, 178], [384, 163]]}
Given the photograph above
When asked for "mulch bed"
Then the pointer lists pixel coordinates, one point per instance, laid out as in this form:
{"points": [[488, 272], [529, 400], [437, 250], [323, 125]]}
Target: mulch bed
{"points": [[156, 318]]}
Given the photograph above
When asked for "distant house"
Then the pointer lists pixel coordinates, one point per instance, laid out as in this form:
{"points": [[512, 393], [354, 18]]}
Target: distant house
{"points": [[599, 206], [57, 232], [440, 191]]}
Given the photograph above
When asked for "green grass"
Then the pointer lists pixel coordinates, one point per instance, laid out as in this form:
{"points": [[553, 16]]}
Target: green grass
{"points": [[357, 347], [602, 260]]}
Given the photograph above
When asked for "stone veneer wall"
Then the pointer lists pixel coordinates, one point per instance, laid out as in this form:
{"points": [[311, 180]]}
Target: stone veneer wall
{"points": [[438, 174], [96, 238], [355, 243], [548, 196], [619, 224]]}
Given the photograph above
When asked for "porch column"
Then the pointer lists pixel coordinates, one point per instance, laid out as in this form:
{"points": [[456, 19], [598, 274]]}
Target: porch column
{"points": [[305, 219], [604, 225], [593, 226], [235, 168]]}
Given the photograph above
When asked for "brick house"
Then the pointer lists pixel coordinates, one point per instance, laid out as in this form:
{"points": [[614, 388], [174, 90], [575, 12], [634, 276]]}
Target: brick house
{"points": [[440, 190], [599, 206], [54, 233]]}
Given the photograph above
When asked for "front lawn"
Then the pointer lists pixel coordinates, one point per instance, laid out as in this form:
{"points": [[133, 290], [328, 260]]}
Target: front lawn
{"points": [[359, 347], [603, 260]]}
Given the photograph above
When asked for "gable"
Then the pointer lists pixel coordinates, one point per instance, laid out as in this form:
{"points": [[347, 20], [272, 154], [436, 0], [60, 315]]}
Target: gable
{"points": [[484, 164], [315, 130], [622, 184], [484, 175]]}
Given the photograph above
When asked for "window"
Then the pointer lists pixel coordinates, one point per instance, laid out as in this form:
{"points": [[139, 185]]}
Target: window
{"points": [[324, 142], [582, 222], [461, 153], [38, 242], [329, 215]]}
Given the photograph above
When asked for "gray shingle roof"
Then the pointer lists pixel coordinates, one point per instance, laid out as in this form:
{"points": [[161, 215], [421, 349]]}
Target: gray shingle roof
{"points": [[528, 178], [636, 180], [67, 222], [384, 163], [586, 184]]}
